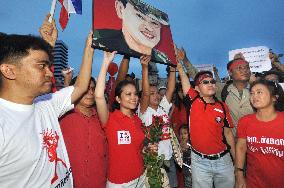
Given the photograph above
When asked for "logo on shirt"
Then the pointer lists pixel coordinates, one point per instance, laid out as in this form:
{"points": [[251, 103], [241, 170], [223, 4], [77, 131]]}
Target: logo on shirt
{"points": [[218, 119], [218, 110], [123, 137], [50, 143]]}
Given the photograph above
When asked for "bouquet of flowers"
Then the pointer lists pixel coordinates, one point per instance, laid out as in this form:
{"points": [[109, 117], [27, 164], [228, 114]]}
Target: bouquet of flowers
{"points": [[152, 161]]}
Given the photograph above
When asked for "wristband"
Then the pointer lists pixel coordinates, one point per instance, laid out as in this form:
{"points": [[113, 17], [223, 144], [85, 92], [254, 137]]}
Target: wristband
{"points": [[239, 169]]}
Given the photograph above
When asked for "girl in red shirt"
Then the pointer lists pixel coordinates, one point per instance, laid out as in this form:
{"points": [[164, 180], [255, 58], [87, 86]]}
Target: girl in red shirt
{"points": [[261, 140], [123, 131]]}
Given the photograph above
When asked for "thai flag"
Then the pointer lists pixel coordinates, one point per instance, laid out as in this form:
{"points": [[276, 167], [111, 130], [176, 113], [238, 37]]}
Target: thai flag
{"points": [[68, 7]]}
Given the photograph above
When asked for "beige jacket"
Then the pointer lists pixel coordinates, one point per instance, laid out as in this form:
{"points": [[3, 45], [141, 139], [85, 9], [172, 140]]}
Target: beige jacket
{"points": [[238, 106]]}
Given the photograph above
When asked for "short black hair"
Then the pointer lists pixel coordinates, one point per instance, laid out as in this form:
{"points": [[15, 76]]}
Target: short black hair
{"points": [[200, 74], [15, 47], [73, 81]]}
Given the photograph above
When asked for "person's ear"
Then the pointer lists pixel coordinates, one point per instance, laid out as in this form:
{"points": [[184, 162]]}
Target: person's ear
{"points": [[8, 71], [117, 99], [230, 73], [119, 8], [197, 88]]}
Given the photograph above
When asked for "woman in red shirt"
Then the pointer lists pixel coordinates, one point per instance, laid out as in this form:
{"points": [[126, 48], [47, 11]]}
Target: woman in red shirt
{"points": [[261, 140], [123, 131]]}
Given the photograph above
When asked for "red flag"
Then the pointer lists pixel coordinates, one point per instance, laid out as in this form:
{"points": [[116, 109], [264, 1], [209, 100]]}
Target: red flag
{"points": [[69, 6]]}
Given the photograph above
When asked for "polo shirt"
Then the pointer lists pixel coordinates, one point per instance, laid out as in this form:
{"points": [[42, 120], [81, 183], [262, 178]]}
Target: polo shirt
{"points": [[206, 122], [125, 143], [87, 148]]}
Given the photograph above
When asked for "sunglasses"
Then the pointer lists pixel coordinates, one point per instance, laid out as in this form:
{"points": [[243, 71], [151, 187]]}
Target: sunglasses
{"points": [[205, 82]]}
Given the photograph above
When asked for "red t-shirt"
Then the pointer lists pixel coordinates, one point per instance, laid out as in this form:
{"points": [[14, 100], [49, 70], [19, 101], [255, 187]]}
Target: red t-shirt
{"points": [[265, 153], [87, 149], [206, 125], [179, 118], [125, 140]]}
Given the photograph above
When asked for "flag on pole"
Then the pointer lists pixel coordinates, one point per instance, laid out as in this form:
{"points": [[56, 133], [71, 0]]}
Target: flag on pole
{"points": [[68, 7]]}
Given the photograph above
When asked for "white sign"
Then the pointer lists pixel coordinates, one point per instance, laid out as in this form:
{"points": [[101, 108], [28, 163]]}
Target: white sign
{"points": [[282, 85], [256, 56], [205, 67]]}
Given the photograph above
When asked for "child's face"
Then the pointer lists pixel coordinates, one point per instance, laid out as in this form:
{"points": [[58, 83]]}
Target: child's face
{"points": [[183, 134]]}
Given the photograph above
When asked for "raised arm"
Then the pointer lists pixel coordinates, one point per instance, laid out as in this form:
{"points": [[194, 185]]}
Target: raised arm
{"points": [[145, 98], [171, 84], [181, 56], [184, 79], [83, 79], [123, 69], [48, 31], [102, 109]]}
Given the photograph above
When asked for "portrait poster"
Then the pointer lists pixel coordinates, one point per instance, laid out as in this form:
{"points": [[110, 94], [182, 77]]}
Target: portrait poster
{"points": [[134, 28]]}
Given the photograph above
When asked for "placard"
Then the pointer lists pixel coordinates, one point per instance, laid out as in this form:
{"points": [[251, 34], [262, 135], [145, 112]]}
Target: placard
{"points": [[134, 28]]}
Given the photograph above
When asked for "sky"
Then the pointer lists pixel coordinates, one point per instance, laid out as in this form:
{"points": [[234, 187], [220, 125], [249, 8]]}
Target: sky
{"points": [[207, 30]]}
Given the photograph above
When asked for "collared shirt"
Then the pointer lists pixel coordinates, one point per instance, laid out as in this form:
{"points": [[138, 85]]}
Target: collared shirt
{"points": [[239, 106], [206, 124], [87, 148], [125, 143]]}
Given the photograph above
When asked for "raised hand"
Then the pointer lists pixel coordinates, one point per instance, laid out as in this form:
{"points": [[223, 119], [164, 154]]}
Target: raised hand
{"points": [[48, 31], [180, 53], [179, 66], [145, 59], [108, 57]]}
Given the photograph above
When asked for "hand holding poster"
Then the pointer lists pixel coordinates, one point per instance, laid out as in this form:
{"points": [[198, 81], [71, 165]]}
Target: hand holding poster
{"points": [[134, 28], [256, 56]]}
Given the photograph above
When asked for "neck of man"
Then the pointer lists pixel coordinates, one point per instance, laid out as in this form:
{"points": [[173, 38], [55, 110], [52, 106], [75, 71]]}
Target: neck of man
{"points": [[155, 107], [209, 99], [240, 85], [86, 111], [135, 45], [266, 114], [16, 95]]}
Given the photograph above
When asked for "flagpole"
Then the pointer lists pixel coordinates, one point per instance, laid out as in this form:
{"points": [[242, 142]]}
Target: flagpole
{"points": [[52, 10]]}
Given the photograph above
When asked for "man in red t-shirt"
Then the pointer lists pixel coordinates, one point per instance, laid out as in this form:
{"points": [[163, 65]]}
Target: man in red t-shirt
{"points": [[211, 136]]}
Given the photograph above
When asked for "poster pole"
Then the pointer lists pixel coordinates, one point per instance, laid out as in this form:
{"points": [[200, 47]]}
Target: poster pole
{"points": [[52, 10]]}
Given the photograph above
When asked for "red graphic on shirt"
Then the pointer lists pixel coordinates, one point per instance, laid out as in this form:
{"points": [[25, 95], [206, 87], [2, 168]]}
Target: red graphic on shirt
{"points": [[50, 143]]}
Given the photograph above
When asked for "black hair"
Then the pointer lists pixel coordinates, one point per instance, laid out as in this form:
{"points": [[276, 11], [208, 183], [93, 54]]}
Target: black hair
{"points": [[200, 74], [275, 90], [277, 73], [232, 61], [14, 47], [177, 100], [118, 91], [73, 81], [183, 126], [124, 2]]}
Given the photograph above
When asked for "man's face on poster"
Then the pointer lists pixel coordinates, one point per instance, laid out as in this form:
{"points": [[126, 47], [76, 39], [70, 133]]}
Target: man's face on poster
{"points": [[141, 32]]}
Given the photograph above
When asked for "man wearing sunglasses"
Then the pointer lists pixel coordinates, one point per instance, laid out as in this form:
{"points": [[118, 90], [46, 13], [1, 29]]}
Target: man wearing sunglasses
{"points": [[211, 137]]}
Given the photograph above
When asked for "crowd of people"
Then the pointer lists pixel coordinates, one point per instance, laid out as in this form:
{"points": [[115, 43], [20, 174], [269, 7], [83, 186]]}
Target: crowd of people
{"points": [[230, 134]]}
